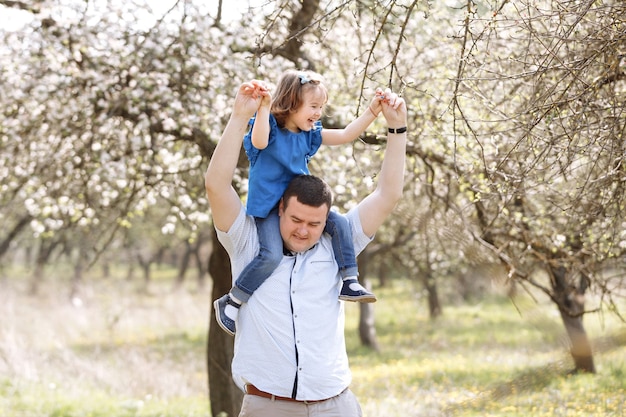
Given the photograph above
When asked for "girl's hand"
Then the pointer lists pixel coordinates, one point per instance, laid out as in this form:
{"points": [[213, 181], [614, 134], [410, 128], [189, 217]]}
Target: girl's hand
{"points": [[376, 103], [262, 93], [250, 97], [266, 96]]}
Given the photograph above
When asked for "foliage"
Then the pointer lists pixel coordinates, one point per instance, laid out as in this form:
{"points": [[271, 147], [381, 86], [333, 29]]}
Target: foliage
{"points": [[103, 121], [540, 159]]}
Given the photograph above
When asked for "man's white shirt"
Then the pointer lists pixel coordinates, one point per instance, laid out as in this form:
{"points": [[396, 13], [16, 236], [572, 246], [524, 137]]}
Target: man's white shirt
{"points": [[293, 325]]}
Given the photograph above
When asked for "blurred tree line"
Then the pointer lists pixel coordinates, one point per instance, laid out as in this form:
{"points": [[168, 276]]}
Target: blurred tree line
{"points": [[111, 111]]}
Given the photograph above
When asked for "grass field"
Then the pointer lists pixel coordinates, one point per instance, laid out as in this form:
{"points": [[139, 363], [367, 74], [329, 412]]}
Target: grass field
{"points": [[115, 352]]}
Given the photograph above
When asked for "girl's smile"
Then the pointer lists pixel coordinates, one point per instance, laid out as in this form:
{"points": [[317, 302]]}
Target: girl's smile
{"points": [[305, 117]]}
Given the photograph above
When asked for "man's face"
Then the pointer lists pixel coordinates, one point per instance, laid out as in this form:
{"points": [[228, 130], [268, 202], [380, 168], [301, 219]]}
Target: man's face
{"points": [[300, 225]]}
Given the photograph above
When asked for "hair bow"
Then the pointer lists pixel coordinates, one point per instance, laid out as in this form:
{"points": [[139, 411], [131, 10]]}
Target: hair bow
{"points": [[303, 79]]}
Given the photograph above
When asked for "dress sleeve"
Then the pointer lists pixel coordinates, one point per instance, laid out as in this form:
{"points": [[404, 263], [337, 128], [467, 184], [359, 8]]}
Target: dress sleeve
{"points": [[251, 152], [315, 140], [316, 137]]}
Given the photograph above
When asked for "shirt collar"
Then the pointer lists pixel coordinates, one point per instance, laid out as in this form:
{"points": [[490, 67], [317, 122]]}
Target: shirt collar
{"points": [[288, 252]]}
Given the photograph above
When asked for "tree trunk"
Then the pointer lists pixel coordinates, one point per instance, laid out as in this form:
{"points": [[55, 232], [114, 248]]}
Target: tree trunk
{"points": [[37, 277], [5, 243], [571, 301], [130, 271], [430, 284], [201, 269], [367, 325], [79, 268], [145, 267], [224, 395], [46, 246], [197, 255], [183, 265], [434, 305], [383, 273], [106, 269], [581, 347]]}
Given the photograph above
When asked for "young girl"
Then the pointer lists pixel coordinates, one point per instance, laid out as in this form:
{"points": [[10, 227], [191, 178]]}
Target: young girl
{"points": [[285, 134]]}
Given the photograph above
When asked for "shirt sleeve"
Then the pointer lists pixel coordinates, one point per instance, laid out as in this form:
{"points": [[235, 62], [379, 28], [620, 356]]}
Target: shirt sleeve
{"points": [[359, 238], [240, 241]]}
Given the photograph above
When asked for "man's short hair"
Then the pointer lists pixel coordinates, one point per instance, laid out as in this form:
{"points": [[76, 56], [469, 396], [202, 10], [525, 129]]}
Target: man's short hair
{"points": [[309, 190]]}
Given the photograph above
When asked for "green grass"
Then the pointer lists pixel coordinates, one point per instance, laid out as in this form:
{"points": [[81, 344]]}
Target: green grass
{"points": [[485, 359], [115, 351], [36, 400]]}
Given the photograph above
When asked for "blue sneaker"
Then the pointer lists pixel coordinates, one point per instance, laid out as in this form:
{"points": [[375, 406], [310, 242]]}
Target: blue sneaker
{"points": [[224, 320], [353, 291]]}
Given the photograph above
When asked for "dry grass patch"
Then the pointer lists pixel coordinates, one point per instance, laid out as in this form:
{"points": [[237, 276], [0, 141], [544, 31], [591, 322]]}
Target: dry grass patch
{"points": [[111, 351]]}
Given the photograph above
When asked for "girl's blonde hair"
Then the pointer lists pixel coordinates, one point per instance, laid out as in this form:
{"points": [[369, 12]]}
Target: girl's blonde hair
{"points": [[291, 88]]}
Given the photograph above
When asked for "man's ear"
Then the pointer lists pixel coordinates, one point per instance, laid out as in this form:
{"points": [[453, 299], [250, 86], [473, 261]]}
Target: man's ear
{"points": [[281, 207]]}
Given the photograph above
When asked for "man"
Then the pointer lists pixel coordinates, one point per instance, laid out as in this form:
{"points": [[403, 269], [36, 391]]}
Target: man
{"points": [[290, 356]]}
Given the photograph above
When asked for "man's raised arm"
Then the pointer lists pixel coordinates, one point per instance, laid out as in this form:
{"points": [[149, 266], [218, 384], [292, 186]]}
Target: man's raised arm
{"points": [[375, 208], [223, 199]]}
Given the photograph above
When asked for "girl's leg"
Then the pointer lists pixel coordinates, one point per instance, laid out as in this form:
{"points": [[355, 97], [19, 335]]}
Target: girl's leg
{"points": [[268, 258], [338, 228], [254, 274]]}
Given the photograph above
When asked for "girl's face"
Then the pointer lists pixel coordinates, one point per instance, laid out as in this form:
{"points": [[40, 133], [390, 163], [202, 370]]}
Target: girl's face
{"points": [[309, 112]]}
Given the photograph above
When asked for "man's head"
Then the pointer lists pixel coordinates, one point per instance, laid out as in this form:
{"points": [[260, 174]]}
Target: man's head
{"points": [[303, 212]]}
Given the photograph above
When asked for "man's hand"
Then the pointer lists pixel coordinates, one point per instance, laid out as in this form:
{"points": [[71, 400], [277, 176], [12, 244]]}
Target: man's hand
{"points": [[394, 110]]}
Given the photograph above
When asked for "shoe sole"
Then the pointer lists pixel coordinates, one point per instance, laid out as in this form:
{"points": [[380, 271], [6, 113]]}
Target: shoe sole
{"points": [[216, 307], [359, 299]]}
